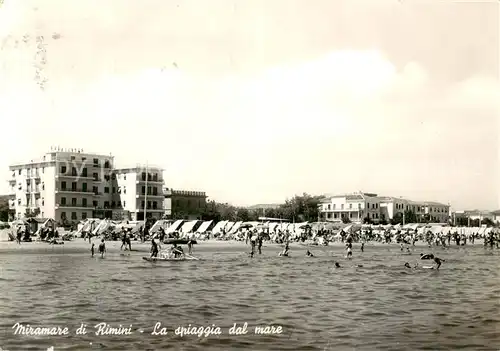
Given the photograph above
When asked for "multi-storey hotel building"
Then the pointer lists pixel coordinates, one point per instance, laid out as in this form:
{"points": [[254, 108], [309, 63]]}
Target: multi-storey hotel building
{"points": [[140, 188], [71, 185], [358, 206]]}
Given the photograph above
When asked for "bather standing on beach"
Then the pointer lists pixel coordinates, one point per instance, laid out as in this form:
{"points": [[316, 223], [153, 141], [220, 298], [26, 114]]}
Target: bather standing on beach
{"points": [[154, 249], [92, 249], [259, 244], [102, 248]]}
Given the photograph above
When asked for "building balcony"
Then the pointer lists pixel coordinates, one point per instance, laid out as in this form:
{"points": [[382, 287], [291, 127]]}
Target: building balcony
{"points": [[103, 208], [34, 176], [150, 209], [75, 191], [157, 196], [74, 175], [343, 210], [75, 206], [150, 181], [97, 193]]}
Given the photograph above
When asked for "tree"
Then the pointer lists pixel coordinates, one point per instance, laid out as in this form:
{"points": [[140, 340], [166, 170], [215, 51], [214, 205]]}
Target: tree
{"points": [[242, 214], [4, 211], [346, 220], [488, 222]]}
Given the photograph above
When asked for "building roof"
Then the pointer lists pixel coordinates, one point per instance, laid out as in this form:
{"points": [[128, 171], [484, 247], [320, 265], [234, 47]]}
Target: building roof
{"points": [[432, 203], [263, 206]]}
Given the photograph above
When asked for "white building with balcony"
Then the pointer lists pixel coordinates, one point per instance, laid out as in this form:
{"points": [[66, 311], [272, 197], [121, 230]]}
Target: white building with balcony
{"points": [[358, 206], [141, 188], [70, 185], [354, 207]]}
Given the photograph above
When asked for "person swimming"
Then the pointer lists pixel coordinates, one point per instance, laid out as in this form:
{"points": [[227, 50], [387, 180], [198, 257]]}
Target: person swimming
{"points": [[426, 256], [309, 254], [407, 265], [337, 265], [362, 247], [438, 262]]}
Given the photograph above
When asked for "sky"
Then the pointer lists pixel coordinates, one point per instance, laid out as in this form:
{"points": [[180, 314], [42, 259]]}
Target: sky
{"points": [[256, 101]]}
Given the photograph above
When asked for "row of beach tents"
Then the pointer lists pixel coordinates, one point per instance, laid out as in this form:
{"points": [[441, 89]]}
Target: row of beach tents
{"points": [[181, 227], [228, 229]]}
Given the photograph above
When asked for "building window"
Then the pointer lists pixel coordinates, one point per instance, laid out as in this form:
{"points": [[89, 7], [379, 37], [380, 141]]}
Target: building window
{"points": [[63, 170], [124, 203], [124, 190], [19, 172], [113, 204], [106, 164], [84, 215], [335, 215], [149, 190], [43, 170], [63, 185], [73, 201], [95, 203], [84, 172], [350, 205], [63, 201], [72, 158], [96, 176], [155, 191], [43, 203], [149, 204], [342, 206], [142, 204], [155, 205], [73, 216], [334, 206], [113, 190], [106, 190], [84, 187], [84, 159], [124, 177], [19, 201], [84, 202], [73, 186], [143, 190], [63, 215], [106, 204], [96, 162]]}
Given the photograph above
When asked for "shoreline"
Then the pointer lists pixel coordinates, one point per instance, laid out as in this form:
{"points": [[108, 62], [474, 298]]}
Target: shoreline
{"points": [[80, 243]]}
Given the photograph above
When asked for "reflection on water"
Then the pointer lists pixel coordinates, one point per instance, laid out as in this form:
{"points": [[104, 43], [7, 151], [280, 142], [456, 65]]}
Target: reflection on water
{"points": [[381, 305]]}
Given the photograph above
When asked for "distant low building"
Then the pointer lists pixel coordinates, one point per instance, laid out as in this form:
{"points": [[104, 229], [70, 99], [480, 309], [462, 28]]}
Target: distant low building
{"points": [[184, 204], [359, 207]]}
